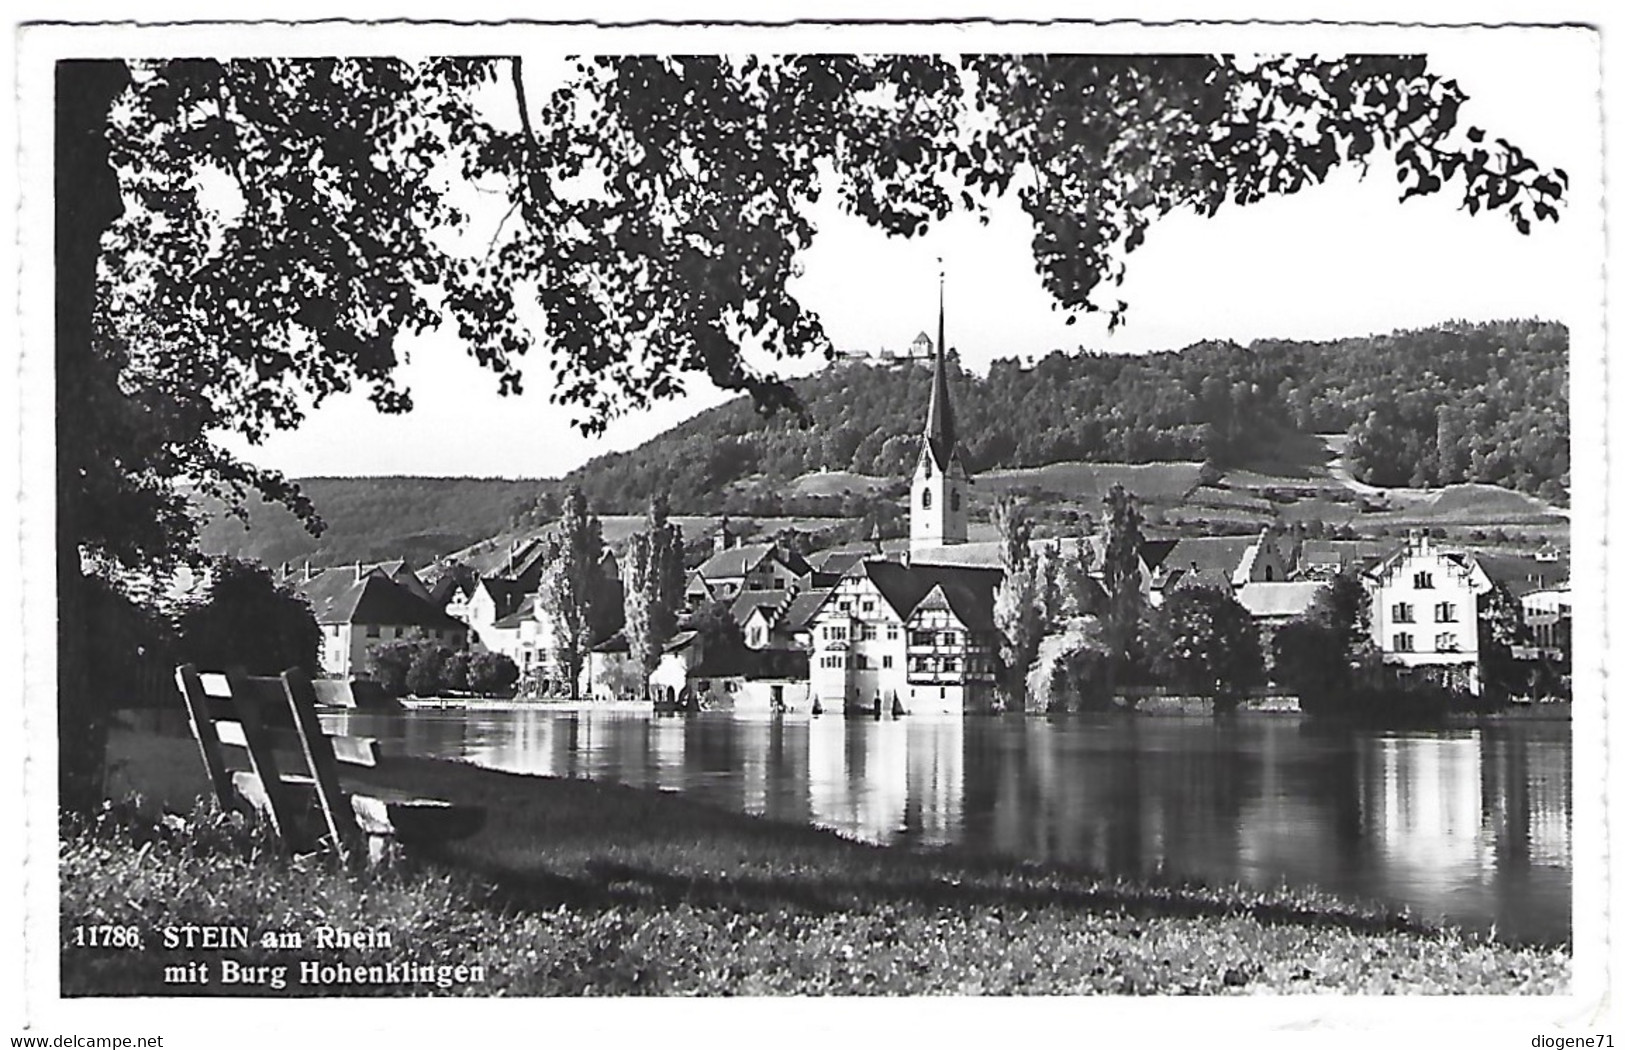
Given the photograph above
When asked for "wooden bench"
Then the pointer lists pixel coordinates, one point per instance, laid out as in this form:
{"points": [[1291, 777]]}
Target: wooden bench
{"points": [[292, 776]]}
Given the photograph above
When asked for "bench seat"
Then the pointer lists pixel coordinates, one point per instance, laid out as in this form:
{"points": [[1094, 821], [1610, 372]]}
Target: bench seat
{"points": [[273, 721]]}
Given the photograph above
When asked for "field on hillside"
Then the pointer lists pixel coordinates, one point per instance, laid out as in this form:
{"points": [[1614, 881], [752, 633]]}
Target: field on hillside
{"points": [[1091, 481]]}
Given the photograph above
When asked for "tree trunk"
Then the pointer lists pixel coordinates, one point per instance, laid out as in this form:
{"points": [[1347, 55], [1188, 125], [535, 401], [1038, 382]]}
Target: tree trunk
{"points": [[87, 203]]}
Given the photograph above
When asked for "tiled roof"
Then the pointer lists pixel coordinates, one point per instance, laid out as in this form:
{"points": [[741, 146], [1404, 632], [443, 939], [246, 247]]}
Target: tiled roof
{"points": [[506, 594], [801, 610], [1210, 553], [337, 597], [524, 611], [1178, 579], [735, 561], [749, 601], [1520, 573], [836, 561], [1271, 600], [968, 591]]}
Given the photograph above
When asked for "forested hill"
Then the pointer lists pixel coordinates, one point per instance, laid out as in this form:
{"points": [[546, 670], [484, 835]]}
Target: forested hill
{"points": [[371, 519], [1451, 403]]}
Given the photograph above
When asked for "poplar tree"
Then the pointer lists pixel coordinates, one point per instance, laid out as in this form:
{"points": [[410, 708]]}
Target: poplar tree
{"points": [[1125, 602], [653, 585], [572, 584]]}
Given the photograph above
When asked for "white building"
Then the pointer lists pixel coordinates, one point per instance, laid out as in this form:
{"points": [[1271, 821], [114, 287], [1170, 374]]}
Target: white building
{"points": [[361, 609], [1424, 612], [1549, 615]]}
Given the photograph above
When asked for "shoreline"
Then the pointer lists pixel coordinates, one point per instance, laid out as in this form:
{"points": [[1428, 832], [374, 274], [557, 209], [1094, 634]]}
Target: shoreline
{"points": [[577, 886]]}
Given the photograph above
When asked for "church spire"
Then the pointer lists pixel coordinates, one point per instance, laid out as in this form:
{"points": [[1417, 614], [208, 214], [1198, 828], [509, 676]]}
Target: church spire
{"points": [[940, 434]]}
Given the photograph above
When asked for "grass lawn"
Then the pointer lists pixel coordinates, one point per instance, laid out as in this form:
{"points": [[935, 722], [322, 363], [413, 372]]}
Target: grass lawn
{"points": [[577, 888]]}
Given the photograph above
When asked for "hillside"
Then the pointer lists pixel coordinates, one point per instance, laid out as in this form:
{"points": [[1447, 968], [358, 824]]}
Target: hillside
{"points": [[373, 519], [1434, 427], [1447, 405]]}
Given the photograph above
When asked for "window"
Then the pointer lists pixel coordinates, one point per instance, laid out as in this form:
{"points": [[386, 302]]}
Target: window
{"points": [[861, 662], [925, 497], [1403, 643], [1445, 612], [953, 499], [1446, 642], [885, 661], [1422, 581], [921, 638], [372, 630], [891, 632], [867, 632], [949, 638], [1403, 613], [843, 606], [950, 665], [868, 605], [1269, 574]]}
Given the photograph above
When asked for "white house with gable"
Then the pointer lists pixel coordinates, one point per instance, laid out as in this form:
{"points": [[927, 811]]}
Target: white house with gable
{"points": [[1424, 612]]}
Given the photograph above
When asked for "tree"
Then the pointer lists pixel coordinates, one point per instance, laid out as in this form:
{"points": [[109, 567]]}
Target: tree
{"points": [[720, 636], [1019, 608], [238, 240], [246, 619], [653, 580], [390, 663], [1500, 629], [573, 583], [427, 674], [492, 673], [1203, 640], [457, 665], [1121, 580]]}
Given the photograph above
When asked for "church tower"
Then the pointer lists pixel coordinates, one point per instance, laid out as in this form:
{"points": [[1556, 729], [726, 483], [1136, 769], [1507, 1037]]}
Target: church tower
{"points": [[937, 506]]}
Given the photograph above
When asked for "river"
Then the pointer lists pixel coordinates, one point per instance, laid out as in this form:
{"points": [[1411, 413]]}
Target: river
{"points": [[1466, 825]]}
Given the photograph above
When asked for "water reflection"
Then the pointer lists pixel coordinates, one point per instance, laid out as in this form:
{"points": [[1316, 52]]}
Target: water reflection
{"points": [[1472, 825]]}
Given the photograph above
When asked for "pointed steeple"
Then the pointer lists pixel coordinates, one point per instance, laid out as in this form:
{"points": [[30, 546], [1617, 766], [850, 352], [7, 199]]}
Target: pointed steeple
{"points": [[940, 434]]}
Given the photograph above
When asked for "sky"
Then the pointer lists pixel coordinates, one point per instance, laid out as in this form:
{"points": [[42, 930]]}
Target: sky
{"points": [[1341, 259]]}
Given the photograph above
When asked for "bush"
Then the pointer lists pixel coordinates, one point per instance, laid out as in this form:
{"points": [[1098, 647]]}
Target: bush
{"points": [[456, 678], [427, 675], [490, 673], [389, 665]]}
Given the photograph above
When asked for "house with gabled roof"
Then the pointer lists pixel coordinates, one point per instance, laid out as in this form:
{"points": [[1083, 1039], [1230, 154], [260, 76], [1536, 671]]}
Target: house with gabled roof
{"points": [[1235, 560], [361, 609], [1424, 612], [915, 638], [761, 567]]}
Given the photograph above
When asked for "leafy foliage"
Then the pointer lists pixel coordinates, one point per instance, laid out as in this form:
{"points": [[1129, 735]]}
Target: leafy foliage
{"points": [[423, 667], [1121, 580], [1499, 389], [653, 581], [573, 584], [1202, 639], [289, 219], [246, 619]]}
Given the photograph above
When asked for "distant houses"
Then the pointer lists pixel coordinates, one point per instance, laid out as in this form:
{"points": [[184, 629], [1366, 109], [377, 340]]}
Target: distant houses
{"points": [[360, 608], [912, 629]]}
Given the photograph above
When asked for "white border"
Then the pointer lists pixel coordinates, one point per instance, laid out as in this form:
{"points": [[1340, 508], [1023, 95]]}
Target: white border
{"points": [[1513, 1021]]}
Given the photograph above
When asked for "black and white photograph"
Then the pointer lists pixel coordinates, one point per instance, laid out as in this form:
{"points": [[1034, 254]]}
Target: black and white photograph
{"points": [[1000, 522]]}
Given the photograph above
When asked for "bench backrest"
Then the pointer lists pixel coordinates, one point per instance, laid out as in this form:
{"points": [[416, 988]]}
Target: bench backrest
{"points": [[274, 721]]}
